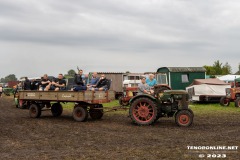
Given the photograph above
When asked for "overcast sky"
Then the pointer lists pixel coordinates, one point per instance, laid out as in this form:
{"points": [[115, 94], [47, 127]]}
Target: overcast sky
{"points": [[53, 36]]}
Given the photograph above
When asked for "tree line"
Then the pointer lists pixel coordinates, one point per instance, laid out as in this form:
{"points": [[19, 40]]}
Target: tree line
{"points": [[218, 68]]}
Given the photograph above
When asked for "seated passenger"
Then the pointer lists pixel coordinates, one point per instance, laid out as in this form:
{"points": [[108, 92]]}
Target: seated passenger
{"points": [[78, 80], [151, 81], [45, 83], [143, 87], [93, 81], [102, 84], [27, 84], [59, 84]]}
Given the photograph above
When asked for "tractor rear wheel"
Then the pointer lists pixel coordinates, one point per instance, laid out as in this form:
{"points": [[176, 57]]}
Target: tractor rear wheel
{"points": [[56, 109], [224, 101], [35, 111], [143, 111], [80, 113], [184, 118], [96, 112], [237, 102]]}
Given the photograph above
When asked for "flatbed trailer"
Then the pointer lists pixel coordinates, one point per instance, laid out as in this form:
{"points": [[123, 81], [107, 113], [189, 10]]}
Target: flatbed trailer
{"points": [[86, 102]]}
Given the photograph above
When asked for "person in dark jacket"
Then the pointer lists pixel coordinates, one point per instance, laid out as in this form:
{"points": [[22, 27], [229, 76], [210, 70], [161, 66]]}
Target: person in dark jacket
{"points": [[102, 84], [27, 84], [79, 82]]}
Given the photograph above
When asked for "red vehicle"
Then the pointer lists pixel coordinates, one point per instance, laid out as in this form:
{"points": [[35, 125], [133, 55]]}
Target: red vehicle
{"points": [[232, 94]]}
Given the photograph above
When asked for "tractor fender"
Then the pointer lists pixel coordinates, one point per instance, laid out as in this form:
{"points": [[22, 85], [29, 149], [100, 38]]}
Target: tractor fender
{"points": [[142, 96]]}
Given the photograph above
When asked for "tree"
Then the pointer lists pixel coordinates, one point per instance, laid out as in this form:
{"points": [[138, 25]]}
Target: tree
{"points": [[10, 77], [238, 72], [217, 66], [70, 74], [226, 69], [209, 70]]}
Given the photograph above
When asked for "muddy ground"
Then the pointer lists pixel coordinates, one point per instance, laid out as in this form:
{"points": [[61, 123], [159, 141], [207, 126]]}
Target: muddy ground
{"points": [[113, 137]]}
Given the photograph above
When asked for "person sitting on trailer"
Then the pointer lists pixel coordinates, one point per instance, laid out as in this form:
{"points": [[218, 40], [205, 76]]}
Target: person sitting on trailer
{"points": [[58, 84], [93, 81], [45, 83], [27, 84], [78, 80], [151, 81], [143, 87], [102, 84]]}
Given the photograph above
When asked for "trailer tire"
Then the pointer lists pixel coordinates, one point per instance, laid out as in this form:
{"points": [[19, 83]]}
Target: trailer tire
{"points": [[96, 113], [80, 113], [237, 102], [184, 118], [56, 109], [35, 111], [143, 111], [224, 101]]}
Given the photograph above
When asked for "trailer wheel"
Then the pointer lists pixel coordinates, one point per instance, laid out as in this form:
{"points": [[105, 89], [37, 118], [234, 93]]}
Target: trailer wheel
{"points": [[184, 118], [35, 111], [80, 113], [96, 113], [56, 109], [237, 102], [143, 111], [224, 101]]}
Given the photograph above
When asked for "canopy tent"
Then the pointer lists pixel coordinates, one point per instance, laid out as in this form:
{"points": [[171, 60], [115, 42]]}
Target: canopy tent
{"points": [[213, 81], [207, 89], [228, 78], [237, 80]]}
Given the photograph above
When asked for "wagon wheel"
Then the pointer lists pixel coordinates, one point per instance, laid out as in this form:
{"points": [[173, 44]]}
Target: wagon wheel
{"points": [[224, 101], [237, 102], [143, 111], [96, 112], [56, 109], [80, 113], [184, 118], [35, 111]]}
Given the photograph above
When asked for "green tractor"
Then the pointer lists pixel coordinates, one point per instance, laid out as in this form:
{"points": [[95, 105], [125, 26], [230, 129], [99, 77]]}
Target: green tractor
{"points": [[147, 109]]}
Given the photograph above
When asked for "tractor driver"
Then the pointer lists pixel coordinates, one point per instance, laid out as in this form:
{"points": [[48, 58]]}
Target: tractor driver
{"points": [[143, 87]]}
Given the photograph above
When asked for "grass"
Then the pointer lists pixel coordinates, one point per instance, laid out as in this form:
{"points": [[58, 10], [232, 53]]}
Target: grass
{"points": [[208, 108]]}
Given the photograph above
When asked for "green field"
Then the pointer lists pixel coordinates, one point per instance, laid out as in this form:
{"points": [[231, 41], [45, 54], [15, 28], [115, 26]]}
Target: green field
{"points": [[209, 108]]}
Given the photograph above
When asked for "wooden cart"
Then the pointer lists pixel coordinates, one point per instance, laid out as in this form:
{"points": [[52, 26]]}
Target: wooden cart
{"points": [[85, 102]]}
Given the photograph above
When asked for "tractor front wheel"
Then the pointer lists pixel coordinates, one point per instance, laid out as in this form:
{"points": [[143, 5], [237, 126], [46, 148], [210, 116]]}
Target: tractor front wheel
{"points": [[56, 109], [35, 111], [184, 118], [237, 102], [143, 111], [80, 113], [224, 101]]}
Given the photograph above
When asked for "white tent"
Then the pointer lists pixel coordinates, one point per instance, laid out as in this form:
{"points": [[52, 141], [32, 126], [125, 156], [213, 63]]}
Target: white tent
{"points": [[228, 78], [207, 89]]}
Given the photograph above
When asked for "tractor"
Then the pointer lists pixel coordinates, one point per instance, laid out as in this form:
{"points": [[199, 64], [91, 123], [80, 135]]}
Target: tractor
{"points": [[232, 95], [146, 109], [130, 92]]}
